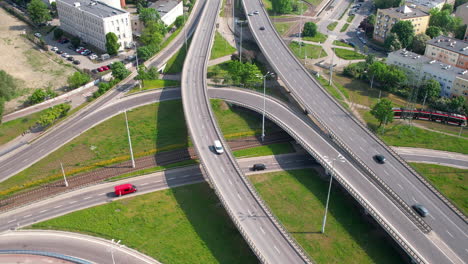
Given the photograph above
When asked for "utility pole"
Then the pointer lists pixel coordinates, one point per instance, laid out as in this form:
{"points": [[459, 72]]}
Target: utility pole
{"points": [[264, 101], [136, 54], [63, 173], [340, 158], [461, 130], [240, 44], [129, 140]]}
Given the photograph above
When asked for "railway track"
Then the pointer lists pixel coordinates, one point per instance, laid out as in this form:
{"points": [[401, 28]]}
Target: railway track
{"points": [[92, 177]]}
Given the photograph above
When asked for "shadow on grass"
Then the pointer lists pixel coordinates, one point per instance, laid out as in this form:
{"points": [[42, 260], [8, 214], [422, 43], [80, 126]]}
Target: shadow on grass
{"points": [[348, 214]]}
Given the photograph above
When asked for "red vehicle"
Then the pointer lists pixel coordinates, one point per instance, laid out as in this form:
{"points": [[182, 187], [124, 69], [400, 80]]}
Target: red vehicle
{"points": [[124, 189], [105, 68], [100, 69]]}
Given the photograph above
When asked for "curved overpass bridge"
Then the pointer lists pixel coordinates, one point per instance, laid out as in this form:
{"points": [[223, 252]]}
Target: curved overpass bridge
{"points": [[448, 238]]}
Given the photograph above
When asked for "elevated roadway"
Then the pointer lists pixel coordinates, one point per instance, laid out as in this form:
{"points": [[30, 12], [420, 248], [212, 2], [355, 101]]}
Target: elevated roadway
{"points": [[449, 225], [268, 240]]}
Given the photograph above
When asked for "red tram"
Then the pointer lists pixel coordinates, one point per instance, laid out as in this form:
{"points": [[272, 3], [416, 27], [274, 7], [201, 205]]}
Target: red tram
{"points": [[430, 115]]}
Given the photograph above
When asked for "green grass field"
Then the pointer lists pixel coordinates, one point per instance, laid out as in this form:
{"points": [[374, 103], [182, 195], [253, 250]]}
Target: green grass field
{"points": [[401, 135], [311, 51], [319, 37], [176, 62], [332, 26], [273, 149], [181, 225], [297, 198], [339, 43], [155, 84], [350, 18], [344, 28], [348, 54], [220, 47], [451, 182], [282, 27], [12, 129]]}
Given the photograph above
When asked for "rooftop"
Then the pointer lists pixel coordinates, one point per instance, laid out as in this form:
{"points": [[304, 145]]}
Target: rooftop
{"points": [[426, 3], [409, 58], [404, 12], [452, 44], [94, 7], [164, 6]]}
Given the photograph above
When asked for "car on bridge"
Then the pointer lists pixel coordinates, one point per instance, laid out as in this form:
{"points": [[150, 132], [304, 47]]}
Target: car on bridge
{"points": [[421, 210], [120, 190]]}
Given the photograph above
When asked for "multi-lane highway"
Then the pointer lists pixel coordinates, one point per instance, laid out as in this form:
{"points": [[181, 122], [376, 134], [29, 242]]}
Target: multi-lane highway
{"points": [[449, 235], [266, 237], [23, 158]]}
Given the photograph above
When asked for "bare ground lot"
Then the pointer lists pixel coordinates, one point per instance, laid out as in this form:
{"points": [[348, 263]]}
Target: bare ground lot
{"points": [[33, 68]]}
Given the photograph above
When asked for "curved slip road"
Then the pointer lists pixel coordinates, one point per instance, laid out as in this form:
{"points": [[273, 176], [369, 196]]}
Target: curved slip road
{"points": [[92, 249], [449, 226], [22, 158]]}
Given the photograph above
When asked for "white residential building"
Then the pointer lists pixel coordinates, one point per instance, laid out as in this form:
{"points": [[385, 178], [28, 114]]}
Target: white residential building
{"points": [[427, 5], [92, 20], [168, 10], [453, 80]]}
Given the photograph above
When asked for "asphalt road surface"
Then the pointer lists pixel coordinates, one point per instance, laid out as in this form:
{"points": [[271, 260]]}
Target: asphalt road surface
{"points": [[449, 236]]}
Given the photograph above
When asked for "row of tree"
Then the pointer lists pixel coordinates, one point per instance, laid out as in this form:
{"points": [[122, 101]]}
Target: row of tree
{"points": [[8, 89], [52, 114]]}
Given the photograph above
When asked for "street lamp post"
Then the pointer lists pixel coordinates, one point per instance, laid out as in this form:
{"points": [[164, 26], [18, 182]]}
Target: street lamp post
{"points": [[129, 140], [64, 177], [339, 158], [136, 56], [264, 100], [111, 249]]}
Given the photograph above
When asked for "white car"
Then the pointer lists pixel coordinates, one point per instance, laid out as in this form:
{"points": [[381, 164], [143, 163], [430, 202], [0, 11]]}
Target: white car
{"points": [[37, 34], [54, 49], [65, 55], [92, 56], [218, 147]]}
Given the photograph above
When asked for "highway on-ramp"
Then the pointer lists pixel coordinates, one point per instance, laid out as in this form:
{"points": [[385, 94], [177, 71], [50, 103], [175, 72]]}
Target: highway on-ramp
{"points": [[448, 224]]}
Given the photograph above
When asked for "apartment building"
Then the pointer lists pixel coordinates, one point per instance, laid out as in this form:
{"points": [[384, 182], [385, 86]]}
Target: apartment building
{"points": [[92, 20], [168, 10], [448, 50], [386, 18], [453, 80], [427, 5]]}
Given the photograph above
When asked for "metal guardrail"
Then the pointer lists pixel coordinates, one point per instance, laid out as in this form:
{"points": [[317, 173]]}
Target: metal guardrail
{"points": [[454, 208], [358, 198], [292, 242], [47, 254]]}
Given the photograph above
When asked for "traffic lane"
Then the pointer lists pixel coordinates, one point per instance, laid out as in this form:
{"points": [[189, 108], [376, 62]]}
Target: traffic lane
{"points": [[220, 168], [334, 116], [52, 141], [299, 126], [85, 247], [443, 161]]}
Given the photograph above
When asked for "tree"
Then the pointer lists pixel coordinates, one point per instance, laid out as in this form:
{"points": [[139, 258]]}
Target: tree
{"points": [[383, 4], [281, 6], [2, 107], [75, 41], [392, 43], [180, 21], [371, 19], [456, 104], [7, 85], [383, 111], [53, 9], [53, 114], [310, 29], [37, 96], [119, 71], [145, 52], [148, 15], [112, 43], [433, 31], [419, 43], [430, 90], [243, 73], [443, 20], [370, 59], [460, 32], [147, 74], [58, 33], [355, 70], [78, 79], [405, 32], [38, 12], [153, 34], [447, 7]]}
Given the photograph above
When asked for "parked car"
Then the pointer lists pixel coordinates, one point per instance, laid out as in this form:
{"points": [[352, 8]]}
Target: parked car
{"points": [[65, 41], [76, 62], [124, 189], [70, 58], [94, 71], [250, 14], [421, 210], [65, 55], [58, 51], [79, 49], [100, 69], [37, 34], [54, 49], [71, 47], [92, 56], [87, 52], [105, 68], [256, 12]]}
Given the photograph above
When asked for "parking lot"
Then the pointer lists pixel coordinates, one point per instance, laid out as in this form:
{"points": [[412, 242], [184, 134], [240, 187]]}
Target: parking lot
{"points": [[85, 61]]}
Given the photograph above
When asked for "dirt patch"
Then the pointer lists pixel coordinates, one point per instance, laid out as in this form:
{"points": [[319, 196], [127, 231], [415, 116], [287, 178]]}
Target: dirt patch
{"points": [[33, 68]]}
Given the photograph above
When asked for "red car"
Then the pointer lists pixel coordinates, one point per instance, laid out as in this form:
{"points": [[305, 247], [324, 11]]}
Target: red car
{"points": [[100, 69], [124, 189], [105, 68]]}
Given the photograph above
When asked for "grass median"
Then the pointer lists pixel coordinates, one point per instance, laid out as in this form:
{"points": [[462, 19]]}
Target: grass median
{"points": [[346, 54], [180, 225], [319, 37], [301, 50], [297, 198], [332, 26], [221, 47]]}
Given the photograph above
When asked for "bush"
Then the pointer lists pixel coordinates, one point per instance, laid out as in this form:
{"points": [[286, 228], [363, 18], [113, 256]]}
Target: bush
{"points": [[180, 20], [310, 29], [78, 79], [7, 85], [119, 71], [40, 95], [104, 87], [53, 114]]}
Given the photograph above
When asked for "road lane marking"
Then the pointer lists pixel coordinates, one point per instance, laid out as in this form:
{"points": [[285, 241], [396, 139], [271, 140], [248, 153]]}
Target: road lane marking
{"points": [[238, 195], [156, 181], [248, 211], [386, 172], [449, 233], [186, 176], [143, 184], [43, 211], [263, 231], [58, 206], [362, 149], [72, 202], [277, 249], [230, 181], [11, 221], [103, 193], [26, 216], [399, 185], [86, 198], [222, 169], [172, 178], [414, 199]]}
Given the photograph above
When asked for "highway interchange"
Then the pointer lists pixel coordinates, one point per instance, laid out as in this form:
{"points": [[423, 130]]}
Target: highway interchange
{"points": [[447, 243]]}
